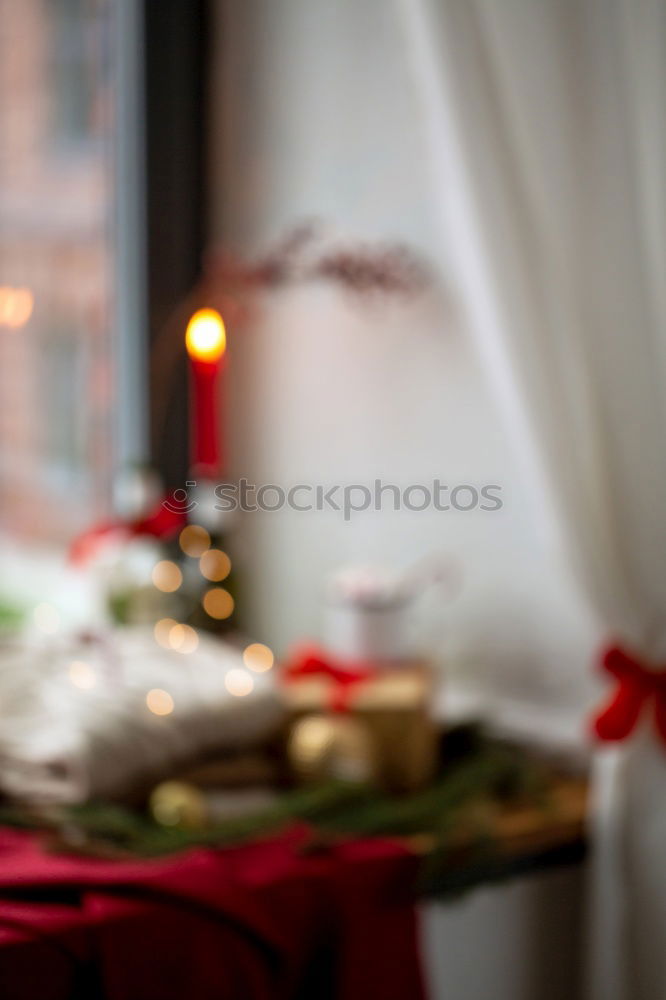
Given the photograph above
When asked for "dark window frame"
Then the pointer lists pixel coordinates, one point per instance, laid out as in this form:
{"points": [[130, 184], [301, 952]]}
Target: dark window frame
{"points": [[163, 62]]}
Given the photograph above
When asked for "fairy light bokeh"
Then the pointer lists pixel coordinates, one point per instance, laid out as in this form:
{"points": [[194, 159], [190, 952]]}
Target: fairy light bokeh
{"points": [[183, 638], [238, 682], [194, 540], [81, 674], [162, 631], [167, 576], [258, 657], [159, 702], [215, 565], [218, 603], [16, 306]]}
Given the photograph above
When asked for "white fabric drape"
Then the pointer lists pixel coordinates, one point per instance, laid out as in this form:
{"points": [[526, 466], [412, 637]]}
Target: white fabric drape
{"points": [[548, 139]]}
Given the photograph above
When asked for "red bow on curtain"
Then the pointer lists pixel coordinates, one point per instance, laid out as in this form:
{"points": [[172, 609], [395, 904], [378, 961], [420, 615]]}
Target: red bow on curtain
{"points": [[312, 661], [635, 686]]}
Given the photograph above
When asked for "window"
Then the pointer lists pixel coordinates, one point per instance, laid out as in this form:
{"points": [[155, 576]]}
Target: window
{"points": [[56, 264], [101, 235], [80, 68]]}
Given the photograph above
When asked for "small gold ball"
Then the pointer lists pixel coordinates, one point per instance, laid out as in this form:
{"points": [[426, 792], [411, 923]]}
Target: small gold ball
{"points": [[322, 747], [177, 804]]}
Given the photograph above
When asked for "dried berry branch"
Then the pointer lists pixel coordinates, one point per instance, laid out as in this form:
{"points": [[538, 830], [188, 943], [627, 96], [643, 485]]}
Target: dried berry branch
{"points": [[298, 258]]}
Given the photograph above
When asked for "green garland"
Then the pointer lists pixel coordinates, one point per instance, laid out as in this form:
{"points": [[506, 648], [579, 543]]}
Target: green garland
{"points": [[11, 616], [469, 784]]}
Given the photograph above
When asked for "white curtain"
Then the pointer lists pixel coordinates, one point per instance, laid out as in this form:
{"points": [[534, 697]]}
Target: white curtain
{"points": [[547, 131]]}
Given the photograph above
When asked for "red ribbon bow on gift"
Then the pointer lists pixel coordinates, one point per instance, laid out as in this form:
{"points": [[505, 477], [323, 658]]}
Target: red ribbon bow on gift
{"points": [[635, 686], [313, 661]]}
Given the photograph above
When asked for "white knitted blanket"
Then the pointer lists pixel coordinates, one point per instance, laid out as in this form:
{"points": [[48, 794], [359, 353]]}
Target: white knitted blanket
{"points": [[64, 743]]}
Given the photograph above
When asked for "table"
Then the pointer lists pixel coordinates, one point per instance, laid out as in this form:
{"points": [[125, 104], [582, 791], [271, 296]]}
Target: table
{"points": [[267, 920]]}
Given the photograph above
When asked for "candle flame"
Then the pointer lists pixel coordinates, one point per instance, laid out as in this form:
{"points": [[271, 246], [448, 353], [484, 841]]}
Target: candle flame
{"points": [[206, 338]]}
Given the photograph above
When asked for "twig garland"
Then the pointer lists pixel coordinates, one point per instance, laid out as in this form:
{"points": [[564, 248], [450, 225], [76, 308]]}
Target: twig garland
{"points": [[300, 258]]}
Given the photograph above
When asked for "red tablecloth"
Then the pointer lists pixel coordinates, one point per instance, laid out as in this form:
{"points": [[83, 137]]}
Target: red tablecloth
{"points": [[263, 921]]}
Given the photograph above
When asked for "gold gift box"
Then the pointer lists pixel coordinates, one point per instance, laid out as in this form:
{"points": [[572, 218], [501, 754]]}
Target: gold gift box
{"points": [[393, 710]]}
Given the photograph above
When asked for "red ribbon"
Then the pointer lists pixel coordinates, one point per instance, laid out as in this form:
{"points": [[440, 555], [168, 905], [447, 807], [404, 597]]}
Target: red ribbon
{"points": [[636, 685], [313, 661], [164, 521]]}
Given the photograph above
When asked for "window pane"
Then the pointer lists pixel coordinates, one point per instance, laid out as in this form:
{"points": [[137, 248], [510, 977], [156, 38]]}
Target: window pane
{"points": [[56, 209]]}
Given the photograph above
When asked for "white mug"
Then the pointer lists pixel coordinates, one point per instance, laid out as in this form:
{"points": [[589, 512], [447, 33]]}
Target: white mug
{"points": [[360, 632]]}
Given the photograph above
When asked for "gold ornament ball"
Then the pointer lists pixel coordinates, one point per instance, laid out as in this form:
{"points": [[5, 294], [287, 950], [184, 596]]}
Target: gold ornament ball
{"points": [[325, 747], [177, 804]]}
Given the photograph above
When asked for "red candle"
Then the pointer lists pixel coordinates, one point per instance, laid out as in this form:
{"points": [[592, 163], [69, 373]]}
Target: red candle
{"points": [[206, 343]]}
